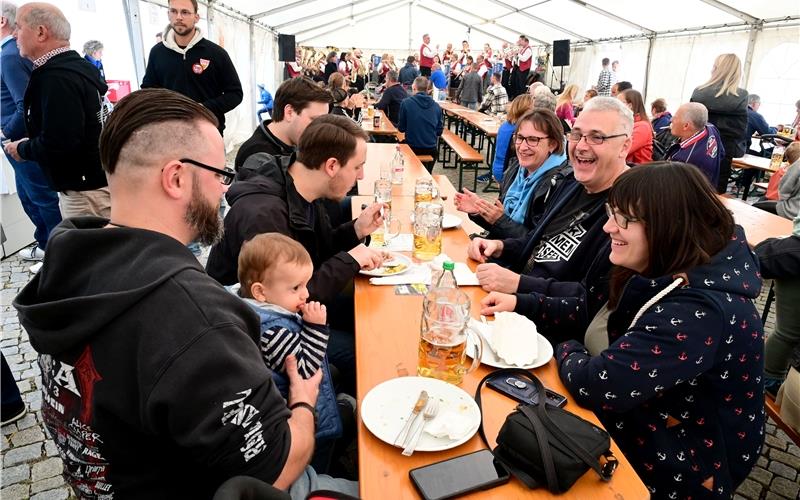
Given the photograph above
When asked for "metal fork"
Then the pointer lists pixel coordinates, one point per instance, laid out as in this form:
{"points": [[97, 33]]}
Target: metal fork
{"points": [[430, 412]]}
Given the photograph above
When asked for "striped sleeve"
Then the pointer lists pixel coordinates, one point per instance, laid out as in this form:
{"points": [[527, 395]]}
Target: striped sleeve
{"points": [[276, 344], [313, 344]]}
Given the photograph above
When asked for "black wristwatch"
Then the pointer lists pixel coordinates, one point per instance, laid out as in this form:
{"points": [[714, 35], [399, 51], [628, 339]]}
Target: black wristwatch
{"points": [[303, 404]]}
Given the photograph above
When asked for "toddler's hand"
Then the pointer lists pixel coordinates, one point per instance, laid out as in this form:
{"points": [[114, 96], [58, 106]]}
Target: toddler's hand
{"points": [[314, 312]]}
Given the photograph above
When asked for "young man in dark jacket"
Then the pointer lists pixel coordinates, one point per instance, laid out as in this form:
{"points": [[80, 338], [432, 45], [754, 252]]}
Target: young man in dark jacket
{"points": [[287, 199], [543, 275], [199, 404], [192, 65], [392, 97], [62, 112]]}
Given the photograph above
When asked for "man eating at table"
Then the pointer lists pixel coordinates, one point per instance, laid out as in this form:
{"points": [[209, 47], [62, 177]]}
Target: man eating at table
{"points": [[153, 385], [541, 275]]}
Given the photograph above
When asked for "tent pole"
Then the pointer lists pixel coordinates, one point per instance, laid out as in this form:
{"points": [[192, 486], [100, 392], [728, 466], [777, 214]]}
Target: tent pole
{"points": [[748, 58], [410, 13], [210, 12], [253, 79], [335, 28], [134, 22], [650, 45]]}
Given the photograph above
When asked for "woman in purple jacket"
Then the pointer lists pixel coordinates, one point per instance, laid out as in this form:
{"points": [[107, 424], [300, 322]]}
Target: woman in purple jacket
{"points": [[673, 366]]}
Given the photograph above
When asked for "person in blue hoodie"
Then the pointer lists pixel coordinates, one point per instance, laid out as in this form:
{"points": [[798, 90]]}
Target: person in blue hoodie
{"points": [[420, 118], [673, 365]]}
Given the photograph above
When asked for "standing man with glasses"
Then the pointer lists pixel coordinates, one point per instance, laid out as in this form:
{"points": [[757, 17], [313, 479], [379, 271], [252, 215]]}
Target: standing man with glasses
{"points": [[200, 405], [188, 63], [542, 274]]}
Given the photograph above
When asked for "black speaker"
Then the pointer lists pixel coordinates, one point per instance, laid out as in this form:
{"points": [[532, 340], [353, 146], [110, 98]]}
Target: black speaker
{"points": [[561, 53], [286, 50]]}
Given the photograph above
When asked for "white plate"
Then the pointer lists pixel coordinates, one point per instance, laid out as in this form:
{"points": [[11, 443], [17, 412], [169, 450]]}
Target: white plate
{"points": [[450, 221], [488, 356], [387, 405], [396, 257]]}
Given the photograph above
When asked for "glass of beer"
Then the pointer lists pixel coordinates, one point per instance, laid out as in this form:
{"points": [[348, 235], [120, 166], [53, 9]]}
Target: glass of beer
{"points": [[371, 112], [391, 225], [427, 228], [425, 189], [443, 336]]}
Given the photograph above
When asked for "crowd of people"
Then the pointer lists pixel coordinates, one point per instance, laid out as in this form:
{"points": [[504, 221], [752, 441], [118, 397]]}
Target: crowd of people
{"points": [[164, 378]]}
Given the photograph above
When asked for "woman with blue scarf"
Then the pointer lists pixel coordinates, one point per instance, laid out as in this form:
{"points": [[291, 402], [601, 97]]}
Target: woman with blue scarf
{"points": [[540, 163], [93, 52]]}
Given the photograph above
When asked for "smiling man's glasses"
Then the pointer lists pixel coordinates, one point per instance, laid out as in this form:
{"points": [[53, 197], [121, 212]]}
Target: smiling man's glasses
{"points": [[224, 175], [594, 138]]}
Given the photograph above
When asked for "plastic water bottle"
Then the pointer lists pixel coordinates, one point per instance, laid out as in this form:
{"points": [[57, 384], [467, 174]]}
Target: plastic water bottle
{"points": [[447, 279], [398, 167]]}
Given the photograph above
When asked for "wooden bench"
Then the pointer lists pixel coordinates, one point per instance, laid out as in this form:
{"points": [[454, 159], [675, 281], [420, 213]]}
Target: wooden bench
{"points": [[761, 185], [425, 158], [774, 411], [465, 156]]}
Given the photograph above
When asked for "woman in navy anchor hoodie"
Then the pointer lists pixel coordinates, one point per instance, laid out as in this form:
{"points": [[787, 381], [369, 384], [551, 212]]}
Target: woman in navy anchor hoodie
{"points": [[680, 386]]}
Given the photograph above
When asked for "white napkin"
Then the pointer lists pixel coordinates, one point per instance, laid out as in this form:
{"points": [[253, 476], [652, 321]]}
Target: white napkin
{"points": [[464, 276], [403, 242], [417, 273], [449, 424], [514, 338]]}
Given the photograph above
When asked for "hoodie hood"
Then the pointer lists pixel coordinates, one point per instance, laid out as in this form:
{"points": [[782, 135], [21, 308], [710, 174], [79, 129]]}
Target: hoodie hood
{"points": [[261, 173], [168, 38], [422, 100], [65, 304], [72, 61], [732, 271]]}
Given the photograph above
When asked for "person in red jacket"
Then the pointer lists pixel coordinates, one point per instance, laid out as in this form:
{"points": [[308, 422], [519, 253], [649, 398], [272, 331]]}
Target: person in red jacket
{"points": [[642, 139]]}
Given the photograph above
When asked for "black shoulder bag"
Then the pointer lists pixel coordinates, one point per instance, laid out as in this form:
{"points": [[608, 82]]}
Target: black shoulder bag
{"points": [[545, 445]]}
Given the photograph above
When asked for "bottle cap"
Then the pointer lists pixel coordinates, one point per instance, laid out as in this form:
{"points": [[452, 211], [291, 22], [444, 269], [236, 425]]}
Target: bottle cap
{"points": [[448, 266]]}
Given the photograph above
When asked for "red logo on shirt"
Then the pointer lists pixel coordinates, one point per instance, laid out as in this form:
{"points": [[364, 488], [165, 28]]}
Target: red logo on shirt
{"points": [[197, 68], [711, 147]]}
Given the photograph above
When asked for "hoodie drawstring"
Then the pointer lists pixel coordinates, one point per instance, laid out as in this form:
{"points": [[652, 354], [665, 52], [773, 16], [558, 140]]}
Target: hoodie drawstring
{"points": [[660, 295]]}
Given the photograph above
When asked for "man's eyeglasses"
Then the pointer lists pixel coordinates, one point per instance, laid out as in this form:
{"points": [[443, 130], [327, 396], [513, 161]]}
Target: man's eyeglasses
{"points": [[595, 139], [532, 140], [224, 175], [182, 12], [620, 219]]}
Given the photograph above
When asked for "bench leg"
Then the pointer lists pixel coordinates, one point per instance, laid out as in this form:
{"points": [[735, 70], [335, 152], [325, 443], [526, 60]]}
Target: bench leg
{"points": [[460, 167]]}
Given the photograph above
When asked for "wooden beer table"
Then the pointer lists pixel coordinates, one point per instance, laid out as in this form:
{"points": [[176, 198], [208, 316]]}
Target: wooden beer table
{"points": [[387, 339], [749, 161], [758, 224], [386, 128], [379, 154]]}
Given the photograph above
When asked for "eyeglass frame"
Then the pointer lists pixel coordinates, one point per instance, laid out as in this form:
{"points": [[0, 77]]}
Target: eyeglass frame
{"points": [[603, 138], [228, 174], [614, 214], [525, 139]]}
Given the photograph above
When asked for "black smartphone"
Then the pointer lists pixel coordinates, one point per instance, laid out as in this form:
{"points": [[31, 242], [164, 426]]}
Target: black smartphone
{"points": [[459, 476], [524, 391]]}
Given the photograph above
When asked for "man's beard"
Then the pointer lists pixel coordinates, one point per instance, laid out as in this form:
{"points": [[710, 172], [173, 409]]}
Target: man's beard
{"points": [[182, 30], [203, 217]]}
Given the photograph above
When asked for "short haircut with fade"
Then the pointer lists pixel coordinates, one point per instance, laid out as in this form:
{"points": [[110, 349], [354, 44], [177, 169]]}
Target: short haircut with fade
{"points": [[298, 93], [149, 124], [263, 254], [329, 136]]}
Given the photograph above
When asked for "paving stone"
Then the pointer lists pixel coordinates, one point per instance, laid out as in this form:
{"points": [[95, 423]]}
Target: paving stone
{"points": [[775, 441], [762, 476], [786, 458], [739, 497], [47, 468], [750, 489], [29, 420], [47, 484], [762, 460], [770, 428], [50, 448], [773, 496], [30, 435], [9, 429], [783, 470], [789, 489], [14, 475], [10, 350], [58, 494], [35, 405], [22, 454], [13, 359], [15, 492]]}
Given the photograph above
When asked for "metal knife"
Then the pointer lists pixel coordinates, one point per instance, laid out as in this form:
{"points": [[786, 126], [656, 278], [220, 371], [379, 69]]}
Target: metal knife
{"points": [[422, 400]]}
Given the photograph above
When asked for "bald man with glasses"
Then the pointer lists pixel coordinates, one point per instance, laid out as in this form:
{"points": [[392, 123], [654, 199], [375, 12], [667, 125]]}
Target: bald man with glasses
{"points": [[542, 274]]}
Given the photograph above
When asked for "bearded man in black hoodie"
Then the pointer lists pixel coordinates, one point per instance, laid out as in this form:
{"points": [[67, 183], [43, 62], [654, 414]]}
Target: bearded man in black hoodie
{"points": [[153, 384], [63, 114]]}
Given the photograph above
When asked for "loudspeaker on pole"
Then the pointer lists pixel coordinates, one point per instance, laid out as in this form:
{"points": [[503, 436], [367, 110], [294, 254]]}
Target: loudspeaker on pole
{"points": [[286, 48], [561, 53]]}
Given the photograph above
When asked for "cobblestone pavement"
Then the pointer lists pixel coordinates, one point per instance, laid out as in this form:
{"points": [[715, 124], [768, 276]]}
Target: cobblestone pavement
{"points": [[32, 468]]}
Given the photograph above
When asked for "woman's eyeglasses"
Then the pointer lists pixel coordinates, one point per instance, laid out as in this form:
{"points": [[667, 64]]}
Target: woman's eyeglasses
{"points": [[620, 219], [532, 140]]}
